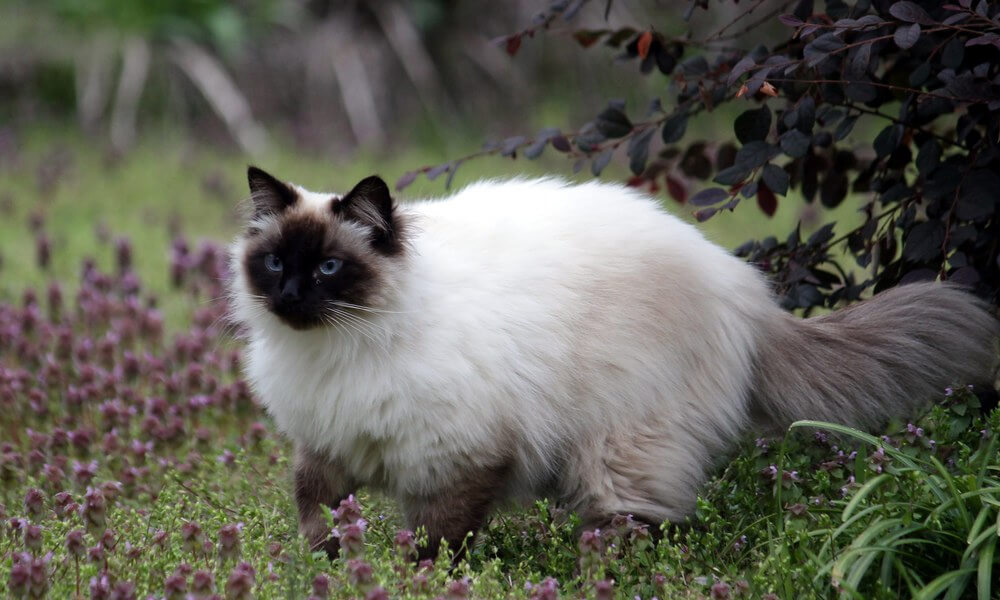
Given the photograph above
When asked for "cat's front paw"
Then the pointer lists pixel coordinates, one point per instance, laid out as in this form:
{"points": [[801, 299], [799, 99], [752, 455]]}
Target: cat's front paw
{"points": [[320, 537]]}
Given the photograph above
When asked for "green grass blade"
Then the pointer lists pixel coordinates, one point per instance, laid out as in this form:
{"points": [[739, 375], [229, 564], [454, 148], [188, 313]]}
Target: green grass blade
{"points": [[953, 490], [863, 493], [940, 584], [974, 545], [958, 586], [977, 525], [984, 575], [988, 456]]}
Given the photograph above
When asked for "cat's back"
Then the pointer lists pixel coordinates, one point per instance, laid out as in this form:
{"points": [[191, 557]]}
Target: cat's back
{"points": [[531, 229], [536, 216]]}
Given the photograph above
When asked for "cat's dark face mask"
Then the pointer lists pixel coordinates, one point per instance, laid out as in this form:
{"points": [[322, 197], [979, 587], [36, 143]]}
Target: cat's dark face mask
{"points": [[309, 265]]}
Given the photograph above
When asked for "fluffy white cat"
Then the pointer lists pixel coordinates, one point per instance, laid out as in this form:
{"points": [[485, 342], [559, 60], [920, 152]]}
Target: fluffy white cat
{"points": [[533, 338]]}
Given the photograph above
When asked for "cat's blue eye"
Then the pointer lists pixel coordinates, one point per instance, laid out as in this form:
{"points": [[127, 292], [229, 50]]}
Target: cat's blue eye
{"points": [[272, 262], [329, 266]]}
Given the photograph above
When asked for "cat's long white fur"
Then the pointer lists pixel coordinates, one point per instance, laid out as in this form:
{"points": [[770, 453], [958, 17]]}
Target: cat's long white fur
{"points": [[604, 344]]}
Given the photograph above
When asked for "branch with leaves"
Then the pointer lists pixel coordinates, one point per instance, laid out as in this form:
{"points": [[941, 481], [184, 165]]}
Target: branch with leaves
{"points": [[926, 75]]}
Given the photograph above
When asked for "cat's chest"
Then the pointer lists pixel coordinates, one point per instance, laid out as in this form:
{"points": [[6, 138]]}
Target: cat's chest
{"points": [[348, 409]]}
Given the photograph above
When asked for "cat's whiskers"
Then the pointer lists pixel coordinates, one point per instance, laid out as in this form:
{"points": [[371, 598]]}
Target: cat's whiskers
{"points": [[370, 309], [333, 323], [370, 331], [352, 321], [375, 328]]}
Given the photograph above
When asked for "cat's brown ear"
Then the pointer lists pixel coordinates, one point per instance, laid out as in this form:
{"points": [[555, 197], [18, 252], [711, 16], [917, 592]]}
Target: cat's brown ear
{"points": [[371, 204], [270, 196]]}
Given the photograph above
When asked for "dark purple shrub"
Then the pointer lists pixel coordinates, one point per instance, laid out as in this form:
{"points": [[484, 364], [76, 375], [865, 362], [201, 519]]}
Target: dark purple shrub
{"points": [[920, 76]]}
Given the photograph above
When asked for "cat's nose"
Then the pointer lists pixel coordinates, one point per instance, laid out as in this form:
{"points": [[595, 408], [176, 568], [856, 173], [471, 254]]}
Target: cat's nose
{"points": [[290, 291]]}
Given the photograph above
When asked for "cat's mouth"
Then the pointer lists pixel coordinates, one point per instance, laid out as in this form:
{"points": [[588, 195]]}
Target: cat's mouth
{"points": [[297, 317]]}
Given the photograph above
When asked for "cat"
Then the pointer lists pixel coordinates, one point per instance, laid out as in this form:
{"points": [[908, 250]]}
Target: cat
{"points": [[532, 338]]}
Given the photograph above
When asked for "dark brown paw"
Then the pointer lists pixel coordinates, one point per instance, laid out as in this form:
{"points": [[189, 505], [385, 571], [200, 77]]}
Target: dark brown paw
{"points": [[319, 538]]}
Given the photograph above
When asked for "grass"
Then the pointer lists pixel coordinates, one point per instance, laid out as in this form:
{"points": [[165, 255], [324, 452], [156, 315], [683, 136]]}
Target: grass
{"points": [[134, 462], [170, 187]]}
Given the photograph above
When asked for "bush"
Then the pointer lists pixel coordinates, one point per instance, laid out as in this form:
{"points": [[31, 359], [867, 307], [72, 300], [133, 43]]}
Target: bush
{"points": [[924, 75]]}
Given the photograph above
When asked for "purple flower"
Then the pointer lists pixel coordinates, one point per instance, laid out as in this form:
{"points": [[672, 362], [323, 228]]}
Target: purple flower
{"points": [[352, 538], [405, 544], [458, 589], [108, 540], [239, 586], [359, 573], [420, 584], [720, 590], [348, 511], [321, 586], [175, 586], [123, 254], [229, 540], [19, 582], [191, 537], [84, 473], [227, 458], [33, 538], [75, 544], [100, 588], [878, 459], [548, 589], [203, 582], [43, 251], [591, 543], [94, 511], [160, 538], [34, 503], [123, 590], [377, 593], [604, 589]]}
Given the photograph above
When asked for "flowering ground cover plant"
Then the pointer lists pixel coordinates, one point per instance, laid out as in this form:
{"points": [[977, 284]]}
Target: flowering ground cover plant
{"points": [[135, 463]]}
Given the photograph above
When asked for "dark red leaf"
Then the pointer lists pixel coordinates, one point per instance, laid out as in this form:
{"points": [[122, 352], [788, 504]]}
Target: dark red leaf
{"points": [[766, 199], [677, 190], [513, 44], [645, 40], [588, 37]]}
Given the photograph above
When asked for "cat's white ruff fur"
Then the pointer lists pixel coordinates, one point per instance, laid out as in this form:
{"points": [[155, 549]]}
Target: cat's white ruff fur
{"points": [[603, 344]]}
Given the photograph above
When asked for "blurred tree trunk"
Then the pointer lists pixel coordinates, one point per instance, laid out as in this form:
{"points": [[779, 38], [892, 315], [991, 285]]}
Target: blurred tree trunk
{"points": [[209, 76], [135, 69], [93, 71]]}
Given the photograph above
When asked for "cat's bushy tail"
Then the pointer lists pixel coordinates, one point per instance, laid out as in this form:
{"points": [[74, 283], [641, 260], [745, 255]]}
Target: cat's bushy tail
{"points": [[878, 359]]}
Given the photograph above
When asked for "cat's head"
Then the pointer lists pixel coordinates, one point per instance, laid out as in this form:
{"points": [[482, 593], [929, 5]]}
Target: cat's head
{"points": [[305, 256]]}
